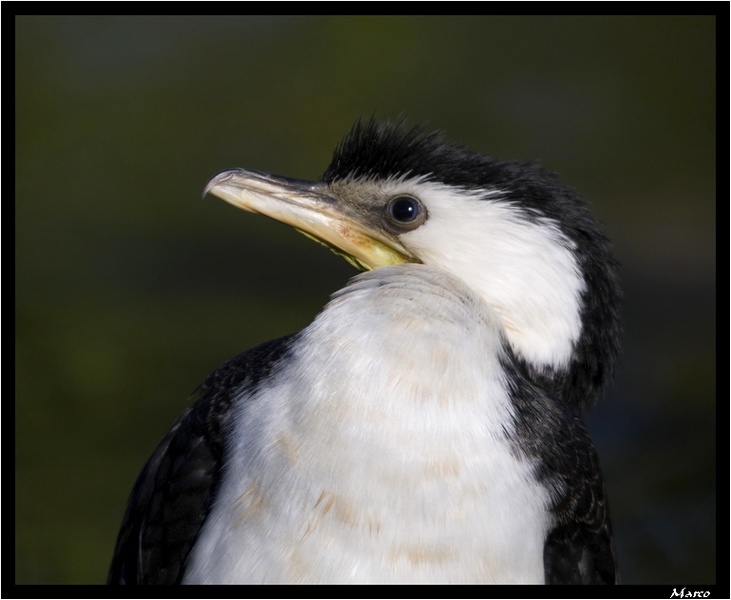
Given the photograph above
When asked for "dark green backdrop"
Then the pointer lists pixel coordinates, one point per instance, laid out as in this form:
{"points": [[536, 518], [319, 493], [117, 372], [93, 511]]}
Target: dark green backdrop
{"points": [[130, 289]]}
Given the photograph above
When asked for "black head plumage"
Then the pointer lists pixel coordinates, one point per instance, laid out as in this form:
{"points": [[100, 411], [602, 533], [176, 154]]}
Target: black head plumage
{"points": [[382, 149]]}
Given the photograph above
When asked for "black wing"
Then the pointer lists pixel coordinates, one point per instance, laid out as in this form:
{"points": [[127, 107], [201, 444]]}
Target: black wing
{"points": [[174, 493], [579, 548]]}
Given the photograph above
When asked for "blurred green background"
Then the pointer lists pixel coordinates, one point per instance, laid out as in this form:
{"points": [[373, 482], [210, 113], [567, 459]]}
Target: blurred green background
{"points": [[130, 289]]}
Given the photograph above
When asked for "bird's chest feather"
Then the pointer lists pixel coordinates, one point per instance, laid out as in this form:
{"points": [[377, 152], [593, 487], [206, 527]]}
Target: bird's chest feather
{"points": [[381, 454]]}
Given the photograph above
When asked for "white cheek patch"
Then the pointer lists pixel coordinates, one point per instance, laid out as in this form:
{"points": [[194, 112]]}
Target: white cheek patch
{"points": [[526, 270]]}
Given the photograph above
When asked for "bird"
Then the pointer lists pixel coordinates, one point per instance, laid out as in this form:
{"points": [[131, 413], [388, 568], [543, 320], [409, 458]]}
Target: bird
{"points": [[426, 427]]}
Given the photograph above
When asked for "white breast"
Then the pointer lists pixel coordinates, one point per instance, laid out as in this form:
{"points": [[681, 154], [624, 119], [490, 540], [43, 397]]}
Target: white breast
{"points": [[378, 452]]}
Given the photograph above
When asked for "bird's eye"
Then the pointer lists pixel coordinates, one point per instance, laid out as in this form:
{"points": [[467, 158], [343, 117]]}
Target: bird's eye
{"points": [[404, 213]]}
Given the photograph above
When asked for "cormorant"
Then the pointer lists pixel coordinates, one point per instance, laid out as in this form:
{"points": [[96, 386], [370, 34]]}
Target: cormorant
{"points": [[426, 426]]}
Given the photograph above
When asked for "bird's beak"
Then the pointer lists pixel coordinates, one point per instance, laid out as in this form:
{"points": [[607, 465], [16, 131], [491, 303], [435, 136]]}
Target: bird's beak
{"points": [[308, 207]]}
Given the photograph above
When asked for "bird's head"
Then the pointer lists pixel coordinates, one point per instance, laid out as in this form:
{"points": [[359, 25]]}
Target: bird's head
{"points": [[524, 241]]}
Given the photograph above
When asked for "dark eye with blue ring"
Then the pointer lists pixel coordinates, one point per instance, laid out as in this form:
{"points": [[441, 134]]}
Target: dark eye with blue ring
{"points": [[405, 213]]}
